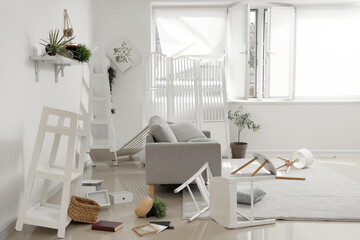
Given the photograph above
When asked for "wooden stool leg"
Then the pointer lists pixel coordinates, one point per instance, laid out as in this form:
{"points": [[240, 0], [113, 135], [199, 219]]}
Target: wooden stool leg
{"points": [[290, 178], [152, 190], [243, 166], [259, 168]]}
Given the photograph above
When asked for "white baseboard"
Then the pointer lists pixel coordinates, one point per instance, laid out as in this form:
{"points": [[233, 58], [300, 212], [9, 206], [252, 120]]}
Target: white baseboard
{"points": [[9, 227], [314, 152]]}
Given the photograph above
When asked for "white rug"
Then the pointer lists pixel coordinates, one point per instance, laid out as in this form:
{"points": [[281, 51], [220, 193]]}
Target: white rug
{"points": [[325, 195]]}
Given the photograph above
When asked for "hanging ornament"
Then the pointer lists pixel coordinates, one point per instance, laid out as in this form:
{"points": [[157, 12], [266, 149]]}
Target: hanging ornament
{"points": [[68, 29]]}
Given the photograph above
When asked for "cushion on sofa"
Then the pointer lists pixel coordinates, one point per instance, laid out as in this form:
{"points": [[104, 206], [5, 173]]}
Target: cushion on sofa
{"points": [[186, 131], [160, 130], [207, 140], [244, 194]]}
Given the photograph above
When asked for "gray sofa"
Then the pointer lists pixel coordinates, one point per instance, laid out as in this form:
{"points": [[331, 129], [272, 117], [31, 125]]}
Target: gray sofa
{"points": [[174, 161]]}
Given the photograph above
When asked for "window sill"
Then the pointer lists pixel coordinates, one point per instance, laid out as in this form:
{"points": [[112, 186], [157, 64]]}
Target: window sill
{"points": [[294, 101]]}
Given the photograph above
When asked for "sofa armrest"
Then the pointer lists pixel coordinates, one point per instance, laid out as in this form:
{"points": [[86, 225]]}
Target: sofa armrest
{"points": [[174, 163]]}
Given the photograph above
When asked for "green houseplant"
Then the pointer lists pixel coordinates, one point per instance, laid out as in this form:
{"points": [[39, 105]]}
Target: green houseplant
{"points": [[158, 209], [112, 76], [242, 121], [55, 44], [80, 52], [123, 53]]}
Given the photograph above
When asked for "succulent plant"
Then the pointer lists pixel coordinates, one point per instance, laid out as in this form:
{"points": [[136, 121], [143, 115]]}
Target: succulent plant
{"points": [[55, 44]]}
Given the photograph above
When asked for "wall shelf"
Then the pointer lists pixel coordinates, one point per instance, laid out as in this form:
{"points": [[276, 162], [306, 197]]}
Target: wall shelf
{"points": [[59, 62]]}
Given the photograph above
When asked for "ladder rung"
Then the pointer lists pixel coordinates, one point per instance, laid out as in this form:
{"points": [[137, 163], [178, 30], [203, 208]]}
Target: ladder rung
{"points": [[99, 146], [98, 75], [99, 99], [99, 121]]}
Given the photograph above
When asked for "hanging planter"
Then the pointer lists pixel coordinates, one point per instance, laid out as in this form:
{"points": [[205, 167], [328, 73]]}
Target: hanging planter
{"points": [[68, 29]]}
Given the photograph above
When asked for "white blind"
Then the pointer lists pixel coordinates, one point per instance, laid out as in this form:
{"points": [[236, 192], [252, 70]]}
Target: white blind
{"points": [[328, 50], [193, 32]]}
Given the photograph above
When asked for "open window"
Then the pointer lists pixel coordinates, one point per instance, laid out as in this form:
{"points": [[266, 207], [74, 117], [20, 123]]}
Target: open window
{"points": [[260, 52], [279, 56], [238, 51]]}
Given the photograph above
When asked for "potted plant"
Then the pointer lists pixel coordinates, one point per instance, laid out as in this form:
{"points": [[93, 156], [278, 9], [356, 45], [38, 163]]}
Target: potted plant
{"points": [[158, 209], [112, 76], [242, 121], [80, 52], [55, 45]]}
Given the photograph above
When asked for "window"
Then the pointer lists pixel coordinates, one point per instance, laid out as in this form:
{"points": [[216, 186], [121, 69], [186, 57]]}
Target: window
{"points": [[253, 54], [191, 31], [328, 50], [260, 52]]}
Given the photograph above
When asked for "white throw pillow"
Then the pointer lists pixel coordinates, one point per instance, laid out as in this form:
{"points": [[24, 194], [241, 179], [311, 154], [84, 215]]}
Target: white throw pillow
{"points": [[186, 131], [160, 130]]}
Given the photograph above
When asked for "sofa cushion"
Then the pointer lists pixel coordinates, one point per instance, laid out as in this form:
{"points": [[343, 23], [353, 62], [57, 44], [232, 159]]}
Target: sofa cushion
{"points": [[207, 140], [244, 194], [160, 130], [186, 131]]}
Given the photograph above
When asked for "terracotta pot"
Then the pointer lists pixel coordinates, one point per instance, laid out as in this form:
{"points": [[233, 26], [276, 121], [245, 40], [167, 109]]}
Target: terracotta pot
{"points": [[238, 149], [73, 49]]}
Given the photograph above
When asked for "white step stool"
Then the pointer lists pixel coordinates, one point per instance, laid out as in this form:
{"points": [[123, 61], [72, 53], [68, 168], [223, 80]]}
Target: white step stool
{"points": [[44, 214]]}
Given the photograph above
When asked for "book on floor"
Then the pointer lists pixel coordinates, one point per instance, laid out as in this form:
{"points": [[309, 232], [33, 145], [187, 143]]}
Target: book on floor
{"points": [[109, 226]]}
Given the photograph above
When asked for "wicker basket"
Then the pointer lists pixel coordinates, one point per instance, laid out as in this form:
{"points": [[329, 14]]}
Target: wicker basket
{"points": [[83, 210]]}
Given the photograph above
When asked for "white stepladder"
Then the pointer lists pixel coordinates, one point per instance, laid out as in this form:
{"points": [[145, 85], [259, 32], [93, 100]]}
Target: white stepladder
{"points": [[102, 131], [70, 125], [198, 178]]}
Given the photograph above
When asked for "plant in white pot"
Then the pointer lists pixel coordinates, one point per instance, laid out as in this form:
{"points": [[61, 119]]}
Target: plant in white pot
{"points": [[242, 121]]}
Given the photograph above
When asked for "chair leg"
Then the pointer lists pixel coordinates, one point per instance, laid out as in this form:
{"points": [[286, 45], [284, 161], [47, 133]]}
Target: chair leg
{"points": [[152, 190]]}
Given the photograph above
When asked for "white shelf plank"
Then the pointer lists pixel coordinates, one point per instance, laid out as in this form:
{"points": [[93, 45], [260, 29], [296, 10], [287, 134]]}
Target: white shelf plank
{"points": [[57, 59], [44, 216], [60, 63], [55, 173]]}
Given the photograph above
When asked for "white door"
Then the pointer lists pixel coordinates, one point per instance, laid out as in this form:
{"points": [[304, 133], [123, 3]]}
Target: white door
{"points": [[238, 52]]}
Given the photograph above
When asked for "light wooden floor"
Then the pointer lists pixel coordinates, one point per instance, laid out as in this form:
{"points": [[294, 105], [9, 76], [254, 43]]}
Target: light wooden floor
{"points": [[131, 175]]}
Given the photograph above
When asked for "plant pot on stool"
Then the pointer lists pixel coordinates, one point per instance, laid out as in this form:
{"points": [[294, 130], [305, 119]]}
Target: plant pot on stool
{"points": [[238, 149], [242, 121]]}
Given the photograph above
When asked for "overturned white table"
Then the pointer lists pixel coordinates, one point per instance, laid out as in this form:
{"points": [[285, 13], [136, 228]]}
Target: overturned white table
{"points": [[223, 201]]}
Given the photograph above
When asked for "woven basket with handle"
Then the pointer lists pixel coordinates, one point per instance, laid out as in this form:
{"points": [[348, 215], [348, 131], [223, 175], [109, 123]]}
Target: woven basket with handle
{"points": [[83, 210]]}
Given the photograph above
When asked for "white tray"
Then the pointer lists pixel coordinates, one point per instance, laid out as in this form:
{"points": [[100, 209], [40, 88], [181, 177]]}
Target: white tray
{"points": [[101, 197]]}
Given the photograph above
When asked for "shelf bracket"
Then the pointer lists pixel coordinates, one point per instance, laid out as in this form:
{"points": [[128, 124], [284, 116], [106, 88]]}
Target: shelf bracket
{"points": [[38, 66], [59, 68]]}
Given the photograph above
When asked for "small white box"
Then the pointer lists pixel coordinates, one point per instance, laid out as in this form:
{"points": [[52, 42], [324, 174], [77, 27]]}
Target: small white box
{"points": [[98, 184], [101, 197], [121, 197]]}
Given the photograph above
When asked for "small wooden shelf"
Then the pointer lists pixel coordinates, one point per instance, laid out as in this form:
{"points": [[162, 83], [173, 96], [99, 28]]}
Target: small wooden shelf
{"points": [[59, 62], [44, 216]]}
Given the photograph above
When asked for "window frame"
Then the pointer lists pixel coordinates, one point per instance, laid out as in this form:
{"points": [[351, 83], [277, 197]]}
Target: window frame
{"points": [[262, 74]]}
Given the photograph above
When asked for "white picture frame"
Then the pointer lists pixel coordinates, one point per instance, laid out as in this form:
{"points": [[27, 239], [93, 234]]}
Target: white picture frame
{"points": [[133, 60]]}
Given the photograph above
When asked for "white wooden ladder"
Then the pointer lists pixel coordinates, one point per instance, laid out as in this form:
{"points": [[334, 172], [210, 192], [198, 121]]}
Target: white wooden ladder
{"points": [[102, 129], [44, 214]]}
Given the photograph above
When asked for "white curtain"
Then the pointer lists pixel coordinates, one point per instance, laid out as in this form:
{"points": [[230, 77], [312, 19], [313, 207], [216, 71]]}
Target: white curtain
{"points": [[328, 50], [192, 31]]}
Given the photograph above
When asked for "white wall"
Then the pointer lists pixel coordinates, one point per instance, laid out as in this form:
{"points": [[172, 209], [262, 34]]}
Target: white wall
{"points": [[113, 18], [285, 126], [23, 23], [323, 127]]}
